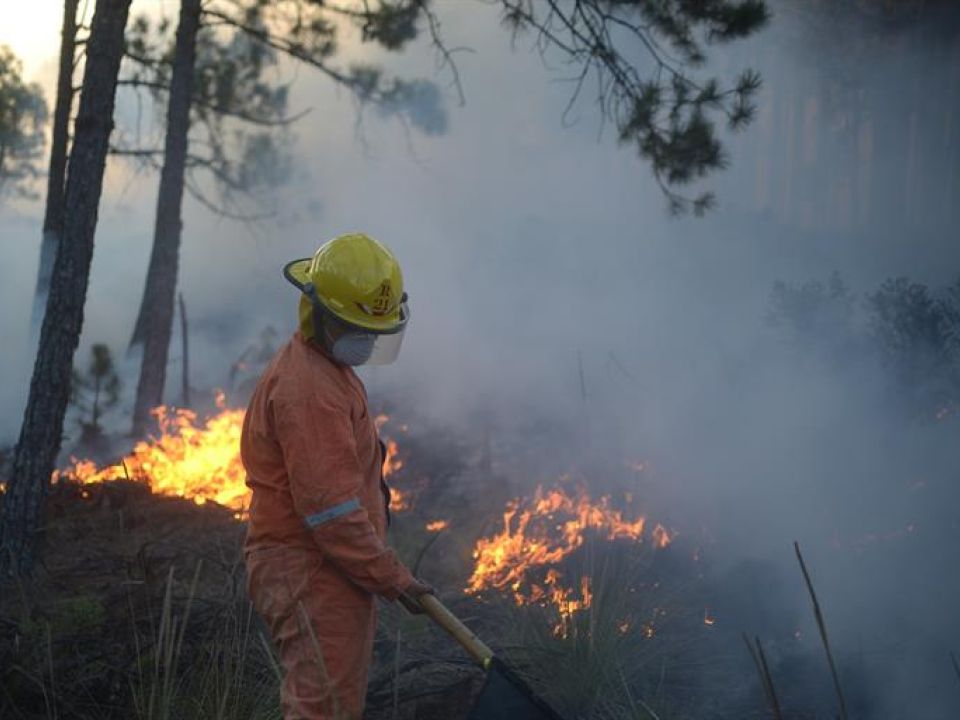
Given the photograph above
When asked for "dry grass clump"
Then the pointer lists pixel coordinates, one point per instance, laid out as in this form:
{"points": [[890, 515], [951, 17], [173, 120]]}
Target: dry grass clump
{"points": [[136, 611], [639, 651]]}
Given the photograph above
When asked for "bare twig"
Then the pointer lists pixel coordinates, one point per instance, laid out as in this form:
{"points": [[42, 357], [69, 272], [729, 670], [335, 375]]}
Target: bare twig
{"points": [[445, 54], [396, 675], [823, 632], [184, 339], [636, 701], [246, 218], [583, 381], [423, 551], [51, 710], [306, 625], [268, 653], [148, 157], [766, 680]]}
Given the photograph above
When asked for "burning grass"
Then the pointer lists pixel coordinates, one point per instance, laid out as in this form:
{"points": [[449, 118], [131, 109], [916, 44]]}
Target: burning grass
{"points": [[198, 459], [524, 558], [188, 458], [139, 609]]}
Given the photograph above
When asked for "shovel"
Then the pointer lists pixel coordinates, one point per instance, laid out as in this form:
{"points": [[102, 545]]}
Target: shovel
{"points": [[504, 695]]}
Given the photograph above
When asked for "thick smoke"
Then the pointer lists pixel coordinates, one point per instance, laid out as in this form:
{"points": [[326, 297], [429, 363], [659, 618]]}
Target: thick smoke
{"points": [[554, 299]]}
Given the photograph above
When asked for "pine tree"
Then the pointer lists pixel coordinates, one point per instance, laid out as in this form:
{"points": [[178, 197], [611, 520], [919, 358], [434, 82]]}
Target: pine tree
{"points": [[23, 114], [210, 80], [94, 391], [40, 434]]}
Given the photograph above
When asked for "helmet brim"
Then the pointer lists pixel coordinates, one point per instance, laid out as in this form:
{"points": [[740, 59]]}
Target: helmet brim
{"points": [[297, 272]]}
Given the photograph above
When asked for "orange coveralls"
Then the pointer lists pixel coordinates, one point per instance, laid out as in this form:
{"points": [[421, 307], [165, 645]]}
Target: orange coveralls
{"points": [[315, 547]]}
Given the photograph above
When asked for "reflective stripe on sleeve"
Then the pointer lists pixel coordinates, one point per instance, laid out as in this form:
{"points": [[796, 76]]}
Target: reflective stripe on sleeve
{"points": [[333, 513]]}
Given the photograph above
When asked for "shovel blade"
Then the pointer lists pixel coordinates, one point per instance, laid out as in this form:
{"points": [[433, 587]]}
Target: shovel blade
{"points": [[506, 697]]}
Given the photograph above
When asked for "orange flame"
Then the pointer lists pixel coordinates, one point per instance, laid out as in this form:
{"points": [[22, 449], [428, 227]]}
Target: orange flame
{"points": [[537, 535], [437, 525], [399, 500], [193, 459], [392, 462]]}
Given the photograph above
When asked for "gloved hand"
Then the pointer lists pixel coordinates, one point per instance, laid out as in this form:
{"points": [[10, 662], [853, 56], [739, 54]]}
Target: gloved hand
{"points": [[410, 598]]}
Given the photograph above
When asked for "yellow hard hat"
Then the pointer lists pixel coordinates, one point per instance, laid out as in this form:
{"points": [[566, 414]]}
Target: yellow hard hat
{"points": [[357, 280]]}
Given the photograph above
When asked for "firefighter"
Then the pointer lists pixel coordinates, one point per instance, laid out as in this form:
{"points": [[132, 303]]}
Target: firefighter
{"points": [[315, 548]]}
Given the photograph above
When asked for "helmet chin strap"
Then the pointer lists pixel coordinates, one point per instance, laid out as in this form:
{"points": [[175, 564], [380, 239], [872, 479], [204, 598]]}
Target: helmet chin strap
{"points": [[319, 330]]}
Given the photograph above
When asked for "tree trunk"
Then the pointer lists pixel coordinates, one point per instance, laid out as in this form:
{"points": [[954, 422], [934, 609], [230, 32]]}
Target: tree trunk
{"points": [[156, 308], [39, 442], [53, 215]]}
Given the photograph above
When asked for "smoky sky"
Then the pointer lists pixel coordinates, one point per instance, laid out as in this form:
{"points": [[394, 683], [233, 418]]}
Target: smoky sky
{"points": [[535, 249]]}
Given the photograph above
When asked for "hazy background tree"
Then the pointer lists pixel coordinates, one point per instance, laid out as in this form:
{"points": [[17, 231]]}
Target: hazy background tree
{"points": [[57, 167], [94, 391], [214, 78], [914, 331], [238, 115], [41, 432], [909, 331], [817, 316], [162, 273], [23, 113]]}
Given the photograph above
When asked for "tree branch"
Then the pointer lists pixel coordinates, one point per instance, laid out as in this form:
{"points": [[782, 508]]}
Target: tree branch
{"points": [[219, 209], [664, 111], [135, 152], [445, 53], [143, 59], [281, 45], [219, 109]]}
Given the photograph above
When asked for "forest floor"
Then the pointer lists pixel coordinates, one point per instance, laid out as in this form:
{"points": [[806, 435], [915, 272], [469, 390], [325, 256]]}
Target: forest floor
{"points": [[137, 608]]}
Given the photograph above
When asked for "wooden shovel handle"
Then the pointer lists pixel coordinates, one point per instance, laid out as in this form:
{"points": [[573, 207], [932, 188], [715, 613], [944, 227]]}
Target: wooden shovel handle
{"points": [[460, 632]]}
